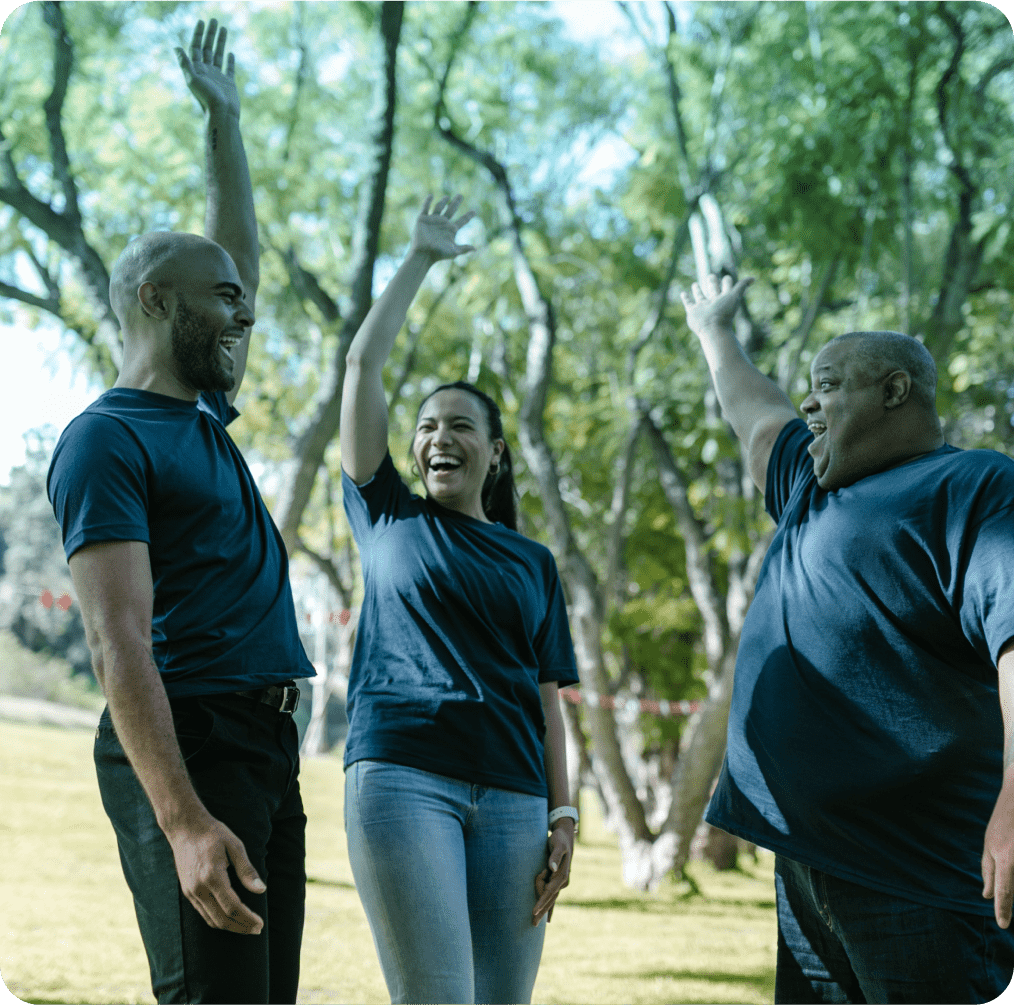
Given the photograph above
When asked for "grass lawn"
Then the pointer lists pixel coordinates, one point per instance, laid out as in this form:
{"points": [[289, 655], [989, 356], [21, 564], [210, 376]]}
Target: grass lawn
{"points": [[68, 934]]}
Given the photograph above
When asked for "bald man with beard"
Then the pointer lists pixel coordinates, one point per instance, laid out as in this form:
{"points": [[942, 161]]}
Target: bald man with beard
{"points": [[183, 583], [870, 733]]}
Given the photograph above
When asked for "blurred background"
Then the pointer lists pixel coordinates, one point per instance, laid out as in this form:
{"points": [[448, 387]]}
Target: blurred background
{"points": [[856, 158]]}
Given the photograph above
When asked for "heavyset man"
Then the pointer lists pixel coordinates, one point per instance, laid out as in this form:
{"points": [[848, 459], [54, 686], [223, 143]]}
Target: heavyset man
{"points": [[870, 735], [183, 584]]}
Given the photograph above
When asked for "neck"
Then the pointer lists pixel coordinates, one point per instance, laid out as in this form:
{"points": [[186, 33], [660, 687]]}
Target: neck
{"points": [[141, 374]]}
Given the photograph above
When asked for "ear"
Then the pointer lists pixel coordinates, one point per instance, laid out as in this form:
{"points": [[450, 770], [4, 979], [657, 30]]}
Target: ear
{"points": [[153, 301], [897, 388], [498, 448]]}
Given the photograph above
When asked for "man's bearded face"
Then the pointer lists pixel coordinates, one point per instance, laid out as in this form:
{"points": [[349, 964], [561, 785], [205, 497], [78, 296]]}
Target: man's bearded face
{"points": [[201, 363]]}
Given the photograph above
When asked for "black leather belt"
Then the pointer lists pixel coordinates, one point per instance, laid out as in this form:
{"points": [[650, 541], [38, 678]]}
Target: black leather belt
{"points": [[283, 697]]}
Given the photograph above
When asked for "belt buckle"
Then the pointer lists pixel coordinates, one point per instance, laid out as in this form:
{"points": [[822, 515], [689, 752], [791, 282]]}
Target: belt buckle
{"points": [[290, 700]]}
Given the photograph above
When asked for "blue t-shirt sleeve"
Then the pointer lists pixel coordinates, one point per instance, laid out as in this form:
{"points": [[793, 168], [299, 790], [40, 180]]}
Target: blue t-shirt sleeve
{"points": [[789, 460], [987, 599], [217, 404], [372, 506], [553, 644], [98, 484]]}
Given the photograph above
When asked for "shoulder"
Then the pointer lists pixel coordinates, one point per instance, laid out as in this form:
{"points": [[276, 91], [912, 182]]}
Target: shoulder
{"points": [[99, 432], [528, 552], [983, 480], [216, 404]]}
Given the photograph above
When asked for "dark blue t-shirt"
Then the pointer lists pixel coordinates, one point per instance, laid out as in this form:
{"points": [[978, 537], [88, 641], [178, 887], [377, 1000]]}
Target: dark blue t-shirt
{"points": [[139, 466], [865, 737], [461, 622]]}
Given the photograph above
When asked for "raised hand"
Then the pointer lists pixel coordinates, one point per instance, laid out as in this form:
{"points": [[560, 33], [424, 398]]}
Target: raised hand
{"points": [[435, 232], [202, 70], [711, 304]]}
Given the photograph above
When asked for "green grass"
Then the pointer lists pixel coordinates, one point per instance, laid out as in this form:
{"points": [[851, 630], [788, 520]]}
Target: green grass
{"points": [[68, 934]]}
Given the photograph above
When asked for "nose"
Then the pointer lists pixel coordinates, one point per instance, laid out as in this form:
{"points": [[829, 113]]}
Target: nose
{"points": [[442, 434], [243, 315], [809, 404]]}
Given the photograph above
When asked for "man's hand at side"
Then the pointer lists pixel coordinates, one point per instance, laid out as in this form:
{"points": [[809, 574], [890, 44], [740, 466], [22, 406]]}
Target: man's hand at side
{"points": [[998, 846], [114, 587], [203, 854]]}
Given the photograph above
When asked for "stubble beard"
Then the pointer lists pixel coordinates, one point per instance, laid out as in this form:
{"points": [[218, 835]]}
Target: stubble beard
{"points": [[195, 353]]}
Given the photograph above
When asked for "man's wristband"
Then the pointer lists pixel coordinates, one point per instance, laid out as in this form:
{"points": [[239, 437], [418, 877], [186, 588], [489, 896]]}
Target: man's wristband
{"points": [[563, 811]]}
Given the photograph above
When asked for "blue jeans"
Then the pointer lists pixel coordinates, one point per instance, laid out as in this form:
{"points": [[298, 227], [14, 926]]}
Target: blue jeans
{"points": [[243, 760], [446, 873], [840, 942]]}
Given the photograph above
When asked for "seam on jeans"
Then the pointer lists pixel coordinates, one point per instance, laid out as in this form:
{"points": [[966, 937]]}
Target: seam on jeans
{"points": [[391, 941]]}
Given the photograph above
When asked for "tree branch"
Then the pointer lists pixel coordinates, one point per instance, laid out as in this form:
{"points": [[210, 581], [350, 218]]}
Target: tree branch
{"points": [[585, 595], [327, 566], [43, 303], [311, 445], [63, 63], [700, 574]]}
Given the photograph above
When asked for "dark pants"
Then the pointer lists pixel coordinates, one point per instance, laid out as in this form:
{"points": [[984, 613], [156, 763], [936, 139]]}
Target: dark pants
{"points": [[243, 759], [839, 942]]}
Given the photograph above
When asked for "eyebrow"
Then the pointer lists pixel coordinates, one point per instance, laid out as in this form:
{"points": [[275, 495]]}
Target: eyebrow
{"points": [[453, 418]]}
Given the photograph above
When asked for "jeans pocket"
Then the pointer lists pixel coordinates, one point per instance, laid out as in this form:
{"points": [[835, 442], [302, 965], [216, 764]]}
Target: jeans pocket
{"points": [[194, 724]]}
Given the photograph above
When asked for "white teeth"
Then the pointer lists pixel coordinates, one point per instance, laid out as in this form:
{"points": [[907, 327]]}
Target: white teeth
{"points": [[817, 428], [445, 462]]}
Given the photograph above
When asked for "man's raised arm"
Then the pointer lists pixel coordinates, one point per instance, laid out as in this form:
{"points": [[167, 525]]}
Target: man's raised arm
{"points": [[229, 218], [755, 407]]}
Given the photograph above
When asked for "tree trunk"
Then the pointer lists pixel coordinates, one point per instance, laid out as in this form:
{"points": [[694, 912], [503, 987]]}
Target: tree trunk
{"points": [[311, 445]]}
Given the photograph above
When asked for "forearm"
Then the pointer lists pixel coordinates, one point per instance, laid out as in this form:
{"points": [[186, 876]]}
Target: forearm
{"points": [[229, 218], [140, 711], [376, 336], [555, 745], [1005, 682], [744, 393]]}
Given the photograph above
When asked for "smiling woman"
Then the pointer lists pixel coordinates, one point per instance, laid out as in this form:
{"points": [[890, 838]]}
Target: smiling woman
{"points": [[455, 759], [456, 427]]}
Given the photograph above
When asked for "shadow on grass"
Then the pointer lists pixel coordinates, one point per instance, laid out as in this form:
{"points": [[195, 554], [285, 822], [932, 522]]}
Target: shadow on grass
{"points": [[681, 904], [761, 981], [339, 883]]}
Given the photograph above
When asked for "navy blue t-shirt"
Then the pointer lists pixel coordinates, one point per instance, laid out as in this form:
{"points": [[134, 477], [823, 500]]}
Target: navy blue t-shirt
{"points": [[461, 622], [139, 466], [865, 737]]}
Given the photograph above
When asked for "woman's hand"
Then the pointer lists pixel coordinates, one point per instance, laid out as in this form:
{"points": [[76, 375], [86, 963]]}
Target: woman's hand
{"points": [[435, 232], [556, 875]]}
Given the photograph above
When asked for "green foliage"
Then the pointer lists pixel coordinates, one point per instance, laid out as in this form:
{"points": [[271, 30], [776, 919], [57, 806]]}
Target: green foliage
{"points": [[816, 127]]}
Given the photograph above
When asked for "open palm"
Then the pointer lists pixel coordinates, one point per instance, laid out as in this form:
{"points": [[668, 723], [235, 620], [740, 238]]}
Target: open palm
{"points": [[435, 232], [202, 69]]}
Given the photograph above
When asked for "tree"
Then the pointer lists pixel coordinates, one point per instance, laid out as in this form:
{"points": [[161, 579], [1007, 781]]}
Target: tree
{"points": [[852, 156]]}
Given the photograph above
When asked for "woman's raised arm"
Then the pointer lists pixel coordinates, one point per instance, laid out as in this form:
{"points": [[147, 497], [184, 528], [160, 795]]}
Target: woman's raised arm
{"points": [[364, 405]]}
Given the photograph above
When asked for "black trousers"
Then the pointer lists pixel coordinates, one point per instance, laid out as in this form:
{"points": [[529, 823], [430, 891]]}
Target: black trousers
{"points": [[243, 759]]}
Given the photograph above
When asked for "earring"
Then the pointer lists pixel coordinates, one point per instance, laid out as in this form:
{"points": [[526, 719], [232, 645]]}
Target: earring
{"points": [[494, 471], [415, 470]]}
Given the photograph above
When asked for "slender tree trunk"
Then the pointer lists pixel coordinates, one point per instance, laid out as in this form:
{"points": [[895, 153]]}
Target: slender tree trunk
{"points": [[312, 444]]}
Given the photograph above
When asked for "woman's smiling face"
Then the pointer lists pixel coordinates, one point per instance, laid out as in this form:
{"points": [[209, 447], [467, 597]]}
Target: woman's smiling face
{"points": [[453, 450]]}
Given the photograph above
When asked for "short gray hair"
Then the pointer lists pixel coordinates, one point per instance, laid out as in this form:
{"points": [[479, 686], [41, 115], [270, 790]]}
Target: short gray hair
{"points": [[878, 351]]}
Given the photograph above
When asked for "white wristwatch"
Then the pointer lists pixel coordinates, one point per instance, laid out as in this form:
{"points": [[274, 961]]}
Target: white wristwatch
{"points": [[563, 811]]}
